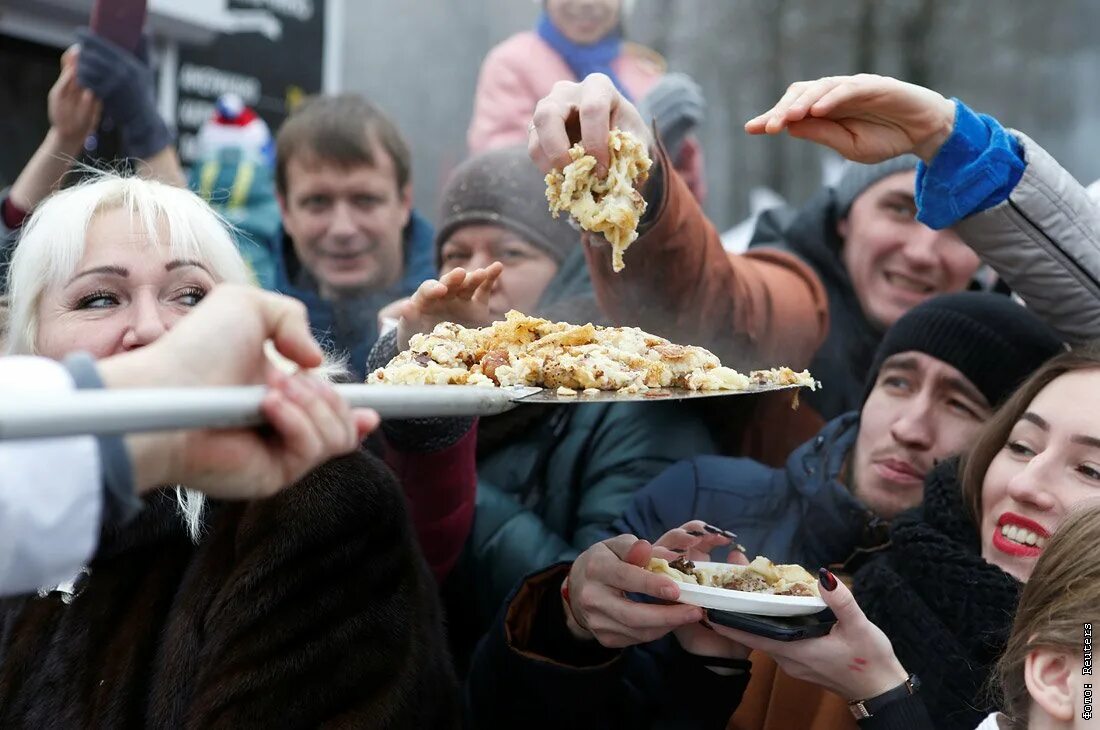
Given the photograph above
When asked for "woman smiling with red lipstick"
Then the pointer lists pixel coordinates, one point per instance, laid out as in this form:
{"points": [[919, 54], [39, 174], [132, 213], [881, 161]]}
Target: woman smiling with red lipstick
{"points": [[945, 591], [1036, 460]]}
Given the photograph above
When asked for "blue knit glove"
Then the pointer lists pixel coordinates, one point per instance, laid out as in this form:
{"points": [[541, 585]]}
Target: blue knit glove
{"points": [[124, 83]]}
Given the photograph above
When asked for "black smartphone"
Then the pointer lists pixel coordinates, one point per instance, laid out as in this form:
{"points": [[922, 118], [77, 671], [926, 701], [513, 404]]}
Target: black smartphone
{"points": [[780, 628]]}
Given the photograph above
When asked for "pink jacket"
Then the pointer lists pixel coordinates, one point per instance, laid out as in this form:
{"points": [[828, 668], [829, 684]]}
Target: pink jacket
{"points": [[523, 69]]}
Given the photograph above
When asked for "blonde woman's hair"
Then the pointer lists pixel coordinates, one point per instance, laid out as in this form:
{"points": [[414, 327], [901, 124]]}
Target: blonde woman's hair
{"points": [[55, 237], [1062, 595], [54, 240]]}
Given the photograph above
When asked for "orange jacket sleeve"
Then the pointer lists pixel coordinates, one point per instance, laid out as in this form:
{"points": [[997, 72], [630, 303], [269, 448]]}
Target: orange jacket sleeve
{"points": [[759, 309]]}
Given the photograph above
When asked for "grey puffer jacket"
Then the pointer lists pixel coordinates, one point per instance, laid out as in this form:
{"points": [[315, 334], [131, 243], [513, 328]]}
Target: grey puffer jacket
{"points": [[1044, 241]]}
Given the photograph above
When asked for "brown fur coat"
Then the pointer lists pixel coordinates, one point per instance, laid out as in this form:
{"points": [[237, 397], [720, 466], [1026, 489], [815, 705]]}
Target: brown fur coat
{"points": [[313, 608]]}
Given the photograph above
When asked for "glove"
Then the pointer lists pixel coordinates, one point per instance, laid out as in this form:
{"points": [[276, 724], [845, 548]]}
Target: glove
{"points": [[420, 435], [124, 83], [676, 106]]}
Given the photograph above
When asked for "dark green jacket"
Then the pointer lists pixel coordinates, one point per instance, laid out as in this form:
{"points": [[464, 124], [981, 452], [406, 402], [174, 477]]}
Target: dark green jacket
{"points": [[549, 493]]}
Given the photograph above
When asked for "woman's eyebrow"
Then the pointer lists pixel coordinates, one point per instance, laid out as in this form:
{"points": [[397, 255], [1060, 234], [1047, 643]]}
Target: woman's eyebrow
{"points": [[180, 263], [115, 270]]}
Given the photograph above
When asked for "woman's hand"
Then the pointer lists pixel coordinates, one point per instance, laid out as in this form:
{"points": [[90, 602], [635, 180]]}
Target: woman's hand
{"points": [[598, 607], [221, 343], [695, 540], [865, 118], [855, 660], [73, 111], [458, 296], [584, 112]]}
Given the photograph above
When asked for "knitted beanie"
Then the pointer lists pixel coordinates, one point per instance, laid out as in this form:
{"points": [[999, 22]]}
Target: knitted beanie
{"points": [[992, 340], [503, 187], [856, 177], [237, 127]]}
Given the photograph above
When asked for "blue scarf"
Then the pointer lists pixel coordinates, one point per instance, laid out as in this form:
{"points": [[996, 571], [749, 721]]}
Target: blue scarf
{"points": [[584, 59]]}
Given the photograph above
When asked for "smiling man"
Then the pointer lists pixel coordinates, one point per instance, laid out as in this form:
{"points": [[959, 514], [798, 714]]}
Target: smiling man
{"points": [[876, 261], [936, 377], [352, 241]]}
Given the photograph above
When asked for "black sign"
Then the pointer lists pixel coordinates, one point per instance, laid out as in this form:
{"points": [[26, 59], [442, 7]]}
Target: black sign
{"points": [[271, 76]]}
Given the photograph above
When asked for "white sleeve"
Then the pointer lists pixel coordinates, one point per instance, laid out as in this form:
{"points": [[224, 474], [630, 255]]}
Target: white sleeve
{"points": [[51, 496]]}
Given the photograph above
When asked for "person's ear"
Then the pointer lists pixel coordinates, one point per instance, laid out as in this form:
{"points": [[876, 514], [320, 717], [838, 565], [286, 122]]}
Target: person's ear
{"points": [[1048, 675], [842, 228]]}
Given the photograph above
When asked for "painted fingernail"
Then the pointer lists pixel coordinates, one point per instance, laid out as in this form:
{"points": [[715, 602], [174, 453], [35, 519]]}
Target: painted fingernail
{"points": [[695, 533], [738, 547], [719, 531], [828, 580], [679, 551]]}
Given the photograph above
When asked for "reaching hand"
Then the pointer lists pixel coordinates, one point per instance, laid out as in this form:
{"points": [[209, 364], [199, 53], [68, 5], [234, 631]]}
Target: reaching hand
{"points": [[458, 296], [221, 343], [695, 540], [124, 82], [600, 578], [73, 111], [584, 112], [865, 118], [855, 660]]}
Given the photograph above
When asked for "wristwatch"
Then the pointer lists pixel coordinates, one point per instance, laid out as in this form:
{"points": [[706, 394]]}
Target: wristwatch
{"points": [[862, 709]]}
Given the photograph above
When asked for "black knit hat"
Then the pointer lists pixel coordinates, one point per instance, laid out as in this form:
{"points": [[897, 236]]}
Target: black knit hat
{"points": [[503, 187], [993, 341]]}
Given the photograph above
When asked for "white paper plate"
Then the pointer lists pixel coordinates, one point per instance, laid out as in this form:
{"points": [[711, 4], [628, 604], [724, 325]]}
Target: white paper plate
{"points": [[760, 604]]}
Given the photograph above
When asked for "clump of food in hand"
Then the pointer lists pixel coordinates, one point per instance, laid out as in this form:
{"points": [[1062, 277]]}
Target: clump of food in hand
{"points": [[528, 351], [759, 576], [612, 205]]}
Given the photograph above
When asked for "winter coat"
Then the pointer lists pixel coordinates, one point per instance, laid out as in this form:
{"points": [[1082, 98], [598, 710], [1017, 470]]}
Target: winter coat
{"points": [[1044, 241], [760, 309], [243, 192], [553, 490], [524, 68], [311, 608], [843, 360], [802, 513], [551, 479], [350, 326], [529, 672]]}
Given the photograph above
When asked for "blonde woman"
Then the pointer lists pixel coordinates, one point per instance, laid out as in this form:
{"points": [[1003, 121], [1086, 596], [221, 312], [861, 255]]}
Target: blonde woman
{"points": [[308, 608]]}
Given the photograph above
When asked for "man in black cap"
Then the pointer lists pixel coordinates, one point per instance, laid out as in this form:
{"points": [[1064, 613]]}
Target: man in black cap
{"points": [[936, 377]]}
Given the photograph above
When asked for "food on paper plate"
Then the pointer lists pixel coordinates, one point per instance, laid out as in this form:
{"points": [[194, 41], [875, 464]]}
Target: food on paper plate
{"points": [[528, 351], [759, 576], [611, 206]]}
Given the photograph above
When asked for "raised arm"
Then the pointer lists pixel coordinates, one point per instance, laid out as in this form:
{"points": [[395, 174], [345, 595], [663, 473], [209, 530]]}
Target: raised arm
{"points": [[1009, 200], [753, 310]]}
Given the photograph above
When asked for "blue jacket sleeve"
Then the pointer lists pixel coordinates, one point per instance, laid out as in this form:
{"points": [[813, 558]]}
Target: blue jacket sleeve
{"points": [[663, 504], [976, 168]]}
